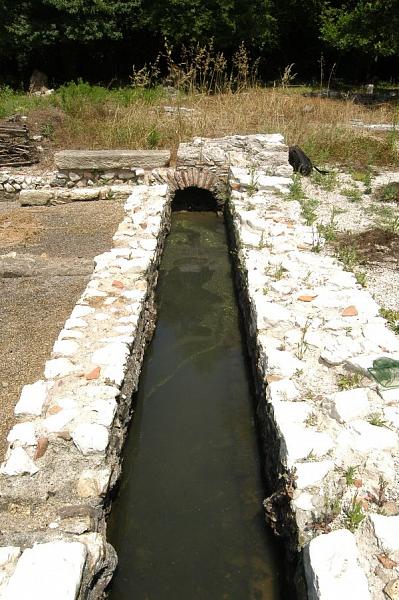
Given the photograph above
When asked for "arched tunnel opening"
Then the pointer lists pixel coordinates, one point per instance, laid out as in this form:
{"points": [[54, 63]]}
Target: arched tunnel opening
{"points": [[194, 199]]}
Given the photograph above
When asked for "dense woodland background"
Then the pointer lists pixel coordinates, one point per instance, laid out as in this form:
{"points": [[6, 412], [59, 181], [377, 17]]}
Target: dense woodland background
{"points": [[101, 40]]}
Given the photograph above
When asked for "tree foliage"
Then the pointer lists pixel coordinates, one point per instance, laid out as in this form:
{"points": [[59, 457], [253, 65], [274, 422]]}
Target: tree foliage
{"points": [[372, 27]]}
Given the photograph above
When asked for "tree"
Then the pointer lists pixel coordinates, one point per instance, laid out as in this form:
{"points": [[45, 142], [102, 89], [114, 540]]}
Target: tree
{"points": [[371, 27]]}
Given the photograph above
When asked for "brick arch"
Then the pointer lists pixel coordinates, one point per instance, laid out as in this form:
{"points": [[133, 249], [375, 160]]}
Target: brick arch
{"points": [[193, 177]]}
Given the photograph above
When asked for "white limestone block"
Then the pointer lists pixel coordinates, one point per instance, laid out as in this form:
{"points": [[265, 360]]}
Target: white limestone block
{"points": [[59, 421], [299, 442], [282, 362], [386, 530], [379, 462], [65, 347], [311, 473], [381, 336], [285, 389], [304, 502], [332, 568], [350, 404], [81, 310], [58, 367], [270, 314], [388, 395], [112, 354], [104, 411], [290, 412], [24, 433], [18, 462], [373, 436], [32, 398], [90, 438], [48, 572], [75, 322], [340, 351]]}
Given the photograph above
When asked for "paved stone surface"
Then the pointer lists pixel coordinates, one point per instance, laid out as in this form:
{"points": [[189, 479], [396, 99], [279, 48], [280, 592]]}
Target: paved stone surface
{"points": [[110, 159], [54, 249]]}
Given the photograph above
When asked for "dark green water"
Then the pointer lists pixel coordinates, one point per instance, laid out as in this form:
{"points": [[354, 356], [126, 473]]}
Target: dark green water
{"points": [[188, 522]]}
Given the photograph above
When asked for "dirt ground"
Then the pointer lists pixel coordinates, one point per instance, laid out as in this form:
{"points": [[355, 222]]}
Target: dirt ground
{"points": [[46, 258]]}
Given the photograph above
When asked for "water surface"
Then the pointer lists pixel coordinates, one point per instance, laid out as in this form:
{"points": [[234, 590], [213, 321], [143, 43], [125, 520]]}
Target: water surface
{"points": [[188, 523]]}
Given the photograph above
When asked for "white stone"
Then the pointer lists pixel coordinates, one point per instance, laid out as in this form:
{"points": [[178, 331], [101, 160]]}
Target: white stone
{"points": [[388, 395], [380, 462], [340, 351], [311, 473], [392, 416], [18, 463], [90, 438], [285, 389], [58, 422], [290, 412], [58, 367], [332, 568], [304, 502], [373, 436], [299, 442], [93, 482], [32, 398], [73, 323], [350, 404], [104, 411], [271, 314], [65, 347], [23, 433], [81, 310], [51, 571], [381, 336], [386, 530], [281, 362], [9, 554]]}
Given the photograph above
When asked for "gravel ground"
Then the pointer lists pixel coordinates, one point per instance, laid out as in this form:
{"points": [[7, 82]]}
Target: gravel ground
{"points": [[354, 212], [46, 258]]}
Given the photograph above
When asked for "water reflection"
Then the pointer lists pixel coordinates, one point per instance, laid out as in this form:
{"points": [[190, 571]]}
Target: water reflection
{"points": [[188, 523]]}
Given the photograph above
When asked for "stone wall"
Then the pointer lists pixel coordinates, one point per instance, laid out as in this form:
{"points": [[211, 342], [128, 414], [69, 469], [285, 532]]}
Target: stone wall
{"points": [[331, 455]]}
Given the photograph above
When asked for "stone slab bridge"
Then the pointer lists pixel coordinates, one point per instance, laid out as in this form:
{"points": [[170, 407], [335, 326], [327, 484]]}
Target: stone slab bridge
{"points": [[331, 464]]}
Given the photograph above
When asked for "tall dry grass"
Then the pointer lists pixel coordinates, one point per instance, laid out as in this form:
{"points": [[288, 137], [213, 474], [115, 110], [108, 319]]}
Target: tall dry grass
{"points": [[224, 98], [323, 128]]}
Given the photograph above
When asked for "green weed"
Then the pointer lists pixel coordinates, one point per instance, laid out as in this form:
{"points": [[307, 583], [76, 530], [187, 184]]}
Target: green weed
{"points": [[348, 381], [392, 317], [354, 514]]}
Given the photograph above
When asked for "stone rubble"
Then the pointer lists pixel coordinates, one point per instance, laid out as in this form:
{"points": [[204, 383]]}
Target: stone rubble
{"points": [[311, 326], [331, 448]]}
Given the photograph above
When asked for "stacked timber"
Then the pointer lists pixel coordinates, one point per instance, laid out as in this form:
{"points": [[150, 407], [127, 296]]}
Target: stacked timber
{"points": [[16, 148]]}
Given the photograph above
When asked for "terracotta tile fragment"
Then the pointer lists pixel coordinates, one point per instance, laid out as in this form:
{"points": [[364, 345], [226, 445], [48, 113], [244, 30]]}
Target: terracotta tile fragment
{"points": [[350, 311], [93, 374], [53, 410], [271, 378], [306, 298], [118, 284], [358, 483], [41, 447], [386, 562], [235, 186]]}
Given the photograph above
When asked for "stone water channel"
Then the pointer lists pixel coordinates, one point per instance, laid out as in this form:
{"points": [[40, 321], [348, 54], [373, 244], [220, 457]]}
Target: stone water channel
{"points": [[309, 325], [189, 520]]}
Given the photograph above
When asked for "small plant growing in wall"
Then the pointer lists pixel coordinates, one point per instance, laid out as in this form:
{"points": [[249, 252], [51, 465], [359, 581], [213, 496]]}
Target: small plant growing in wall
{"points": [[354, 514], [347, 381], [253, 181], [350, 475], [302, 345], [376, 419]]}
